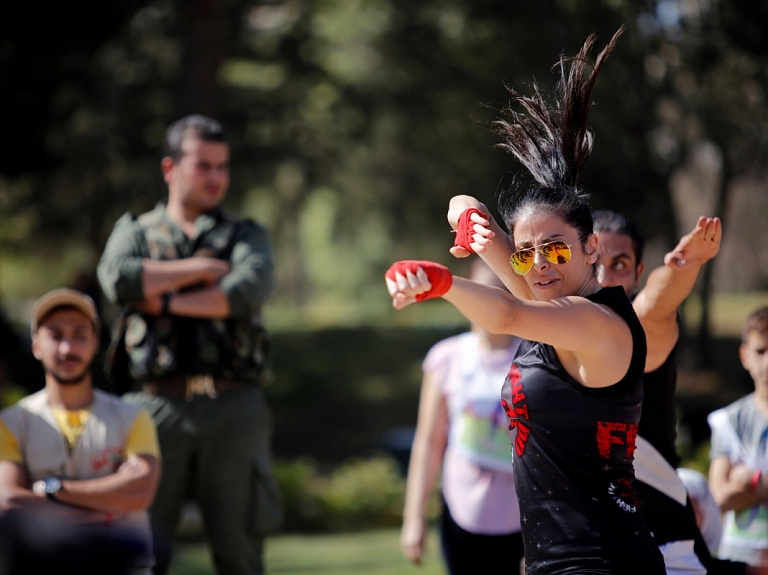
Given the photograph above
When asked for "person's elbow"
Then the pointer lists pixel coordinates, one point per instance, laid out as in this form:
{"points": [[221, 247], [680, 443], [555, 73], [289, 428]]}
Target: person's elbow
{"points": [[143, 499], [719, 487], [720, 497], [139, 498], [121, 284], [729, 498], [727, 504], [143, 488], [13, 499], [248, 298], [145, 494], [7, 503]]}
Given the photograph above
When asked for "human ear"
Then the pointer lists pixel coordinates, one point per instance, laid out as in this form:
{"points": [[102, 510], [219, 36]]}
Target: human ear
{"points": [[743, 356], [166, 165], [590, 249], [35, 347]]}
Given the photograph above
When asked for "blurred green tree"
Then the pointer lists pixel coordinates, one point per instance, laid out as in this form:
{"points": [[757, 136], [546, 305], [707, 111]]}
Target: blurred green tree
{"points": [[712, 126], [352, 122]]}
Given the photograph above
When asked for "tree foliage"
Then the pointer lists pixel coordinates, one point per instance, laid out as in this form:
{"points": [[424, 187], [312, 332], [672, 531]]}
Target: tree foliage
{"points": [[352, 122]]}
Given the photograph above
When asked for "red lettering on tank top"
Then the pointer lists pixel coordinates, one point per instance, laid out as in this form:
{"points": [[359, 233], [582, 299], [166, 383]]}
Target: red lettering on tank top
{"points": [[517, 412], [517, 393], [514, 413], [514, 374], [518, 396], [510, 411], [521, 412], [616, 433], [631, 440], [522, 437]]}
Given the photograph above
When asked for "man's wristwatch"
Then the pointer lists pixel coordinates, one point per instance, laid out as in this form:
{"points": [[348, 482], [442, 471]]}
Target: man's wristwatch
{"points": [[52, 487]]}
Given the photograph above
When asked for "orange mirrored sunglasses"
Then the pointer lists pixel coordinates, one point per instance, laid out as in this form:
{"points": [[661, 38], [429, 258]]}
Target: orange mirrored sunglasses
{"points": [[557, 252]]}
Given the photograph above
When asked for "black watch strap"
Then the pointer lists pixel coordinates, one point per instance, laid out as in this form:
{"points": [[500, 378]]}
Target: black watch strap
{"points": [[166, 302]]}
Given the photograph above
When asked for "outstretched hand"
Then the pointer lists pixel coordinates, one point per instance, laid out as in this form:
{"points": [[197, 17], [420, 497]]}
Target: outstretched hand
{"points": [[409, 281], [697, 247]]}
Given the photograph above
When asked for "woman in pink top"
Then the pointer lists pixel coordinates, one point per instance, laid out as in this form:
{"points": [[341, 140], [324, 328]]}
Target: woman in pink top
{"points": [[463, 430]]}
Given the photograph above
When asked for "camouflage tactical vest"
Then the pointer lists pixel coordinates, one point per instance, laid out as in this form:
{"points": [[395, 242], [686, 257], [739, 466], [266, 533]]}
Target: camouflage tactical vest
{"points": [[168, 345]]}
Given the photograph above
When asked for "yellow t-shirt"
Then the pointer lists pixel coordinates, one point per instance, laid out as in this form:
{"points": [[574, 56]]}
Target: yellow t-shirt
{"points": [[9, 445], [142, 439], [71, 423]]}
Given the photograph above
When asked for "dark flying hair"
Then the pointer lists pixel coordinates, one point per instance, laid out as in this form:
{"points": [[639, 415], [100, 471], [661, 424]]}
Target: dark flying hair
{"points": [[553, 141], [194, 126], [608, 221]]}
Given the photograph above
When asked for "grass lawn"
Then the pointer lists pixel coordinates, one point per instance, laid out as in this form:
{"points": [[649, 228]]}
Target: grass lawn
{"points": [[368, 552]]}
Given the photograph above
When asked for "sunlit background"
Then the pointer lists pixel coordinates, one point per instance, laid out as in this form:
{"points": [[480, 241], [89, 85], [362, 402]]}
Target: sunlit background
{"points": [[352, 123]]}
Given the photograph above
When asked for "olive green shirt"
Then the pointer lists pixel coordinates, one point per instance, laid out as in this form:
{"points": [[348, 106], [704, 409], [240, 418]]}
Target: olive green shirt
{"points": [[247, 286]]}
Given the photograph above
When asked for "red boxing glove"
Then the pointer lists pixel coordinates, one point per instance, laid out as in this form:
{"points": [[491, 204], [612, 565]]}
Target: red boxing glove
{"points": [[464, 231], [438, 275]]}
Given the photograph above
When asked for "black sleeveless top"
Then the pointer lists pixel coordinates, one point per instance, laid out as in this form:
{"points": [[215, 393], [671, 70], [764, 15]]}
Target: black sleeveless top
{"points": [[658, 423], [573, 453]]}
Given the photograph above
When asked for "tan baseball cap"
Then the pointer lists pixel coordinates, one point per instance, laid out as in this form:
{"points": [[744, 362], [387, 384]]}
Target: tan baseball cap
{"points": [[64, 297]]}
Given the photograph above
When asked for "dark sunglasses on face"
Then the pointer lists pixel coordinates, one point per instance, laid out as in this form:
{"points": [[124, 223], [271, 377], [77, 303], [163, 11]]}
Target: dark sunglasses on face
{"points": [[557, 252]]}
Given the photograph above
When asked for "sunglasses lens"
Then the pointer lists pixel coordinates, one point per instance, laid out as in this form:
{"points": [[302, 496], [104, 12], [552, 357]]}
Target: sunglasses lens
{"points": [[556, 252], [521, 261]]}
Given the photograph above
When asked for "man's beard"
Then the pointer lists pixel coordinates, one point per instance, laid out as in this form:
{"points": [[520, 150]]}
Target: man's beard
{"points": [[75, 380]]}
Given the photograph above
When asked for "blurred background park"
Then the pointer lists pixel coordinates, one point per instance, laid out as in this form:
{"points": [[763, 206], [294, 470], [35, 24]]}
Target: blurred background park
{"points": [[352, 123]]}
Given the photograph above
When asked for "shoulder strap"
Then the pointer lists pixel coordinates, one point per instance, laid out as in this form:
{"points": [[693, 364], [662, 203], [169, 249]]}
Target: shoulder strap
{"points": [[157, 236], [219, 241]]}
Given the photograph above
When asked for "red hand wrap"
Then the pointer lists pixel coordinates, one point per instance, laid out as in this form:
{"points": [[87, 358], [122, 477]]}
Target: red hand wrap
{"points": [[464, 231], [438, 275]]}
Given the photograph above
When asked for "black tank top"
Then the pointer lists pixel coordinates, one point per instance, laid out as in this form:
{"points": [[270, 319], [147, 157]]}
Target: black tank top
{"points": [[573, 461], [658, 423]]}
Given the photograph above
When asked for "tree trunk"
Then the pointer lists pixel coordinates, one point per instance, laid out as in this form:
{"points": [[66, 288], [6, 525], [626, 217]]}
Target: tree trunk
{"points": [[205, 49], [704, 355]]}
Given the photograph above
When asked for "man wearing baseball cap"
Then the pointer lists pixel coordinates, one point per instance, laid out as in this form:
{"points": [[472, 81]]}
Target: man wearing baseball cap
{"points": [[78, 466]]}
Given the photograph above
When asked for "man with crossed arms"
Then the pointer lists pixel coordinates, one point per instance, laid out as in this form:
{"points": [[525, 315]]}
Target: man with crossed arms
{"points": [[78, 466]]}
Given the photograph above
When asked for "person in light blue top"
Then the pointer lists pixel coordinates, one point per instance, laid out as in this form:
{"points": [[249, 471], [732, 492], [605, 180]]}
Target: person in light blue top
{"points": [[739, 455]]}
